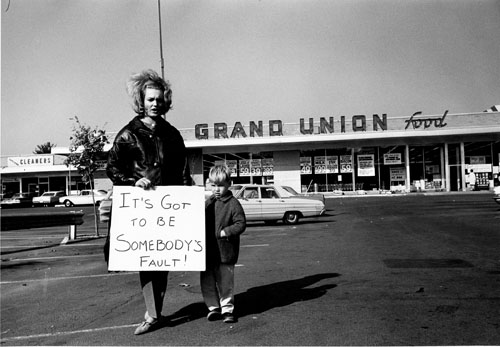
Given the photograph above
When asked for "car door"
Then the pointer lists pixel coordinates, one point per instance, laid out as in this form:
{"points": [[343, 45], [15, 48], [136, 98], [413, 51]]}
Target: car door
{"points": [[273, 207], [250, 200]]}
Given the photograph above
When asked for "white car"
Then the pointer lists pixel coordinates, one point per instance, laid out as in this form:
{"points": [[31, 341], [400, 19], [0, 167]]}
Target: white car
{"points": [[84, 197], [49, 198], [496, 191], [105, 207], [271, 203]]}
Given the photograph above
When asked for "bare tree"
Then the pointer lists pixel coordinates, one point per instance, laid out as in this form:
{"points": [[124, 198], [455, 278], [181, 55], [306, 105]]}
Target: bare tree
{"points": [[86, 148]]}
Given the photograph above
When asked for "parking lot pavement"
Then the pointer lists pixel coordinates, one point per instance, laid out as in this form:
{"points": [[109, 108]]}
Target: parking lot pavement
{"points": [[400, 271]]}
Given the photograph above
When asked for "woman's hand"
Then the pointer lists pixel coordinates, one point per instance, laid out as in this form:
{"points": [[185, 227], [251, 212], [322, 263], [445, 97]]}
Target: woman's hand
{"points": [[144, 183]]}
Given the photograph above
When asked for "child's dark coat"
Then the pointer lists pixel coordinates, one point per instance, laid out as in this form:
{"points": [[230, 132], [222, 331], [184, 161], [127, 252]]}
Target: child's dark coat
{"points": [[228, 215]]}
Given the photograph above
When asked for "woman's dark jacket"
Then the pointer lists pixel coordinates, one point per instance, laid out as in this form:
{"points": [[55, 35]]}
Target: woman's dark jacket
{"points": [[225, 214], [159, 155]]}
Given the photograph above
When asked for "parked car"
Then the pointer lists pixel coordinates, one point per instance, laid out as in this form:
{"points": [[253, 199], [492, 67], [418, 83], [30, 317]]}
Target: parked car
{"points": [[287, 191], [271, 203], [6, 195], [50, 198], [18, 200], [105, 207], [84, 197], [496, 192]]}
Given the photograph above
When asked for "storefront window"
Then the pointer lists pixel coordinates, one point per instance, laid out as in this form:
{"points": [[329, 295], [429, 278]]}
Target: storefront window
{"points": [[479, 159], [426, 167], [255, 168]]}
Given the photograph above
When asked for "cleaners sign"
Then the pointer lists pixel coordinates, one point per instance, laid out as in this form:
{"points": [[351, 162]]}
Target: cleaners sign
{"points": [[161, 229]]}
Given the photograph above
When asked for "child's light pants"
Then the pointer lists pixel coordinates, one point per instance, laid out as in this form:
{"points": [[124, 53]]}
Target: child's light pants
{"points": [[217, 287]]}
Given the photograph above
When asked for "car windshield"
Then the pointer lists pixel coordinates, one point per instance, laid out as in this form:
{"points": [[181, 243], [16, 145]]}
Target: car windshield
{"points": [[48, 194], [290, 190], [235, 189]]}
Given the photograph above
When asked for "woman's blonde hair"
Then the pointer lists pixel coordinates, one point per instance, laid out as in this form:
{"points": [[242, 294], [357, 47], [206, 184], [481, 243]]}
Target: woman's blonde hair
{"points": [[220, 174], [138, 83]]}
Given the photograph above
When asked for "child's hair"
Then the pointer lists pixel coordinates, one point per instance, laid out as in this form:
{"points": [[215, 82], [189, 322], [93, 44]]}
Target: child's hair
{"points": [[219, 174]]}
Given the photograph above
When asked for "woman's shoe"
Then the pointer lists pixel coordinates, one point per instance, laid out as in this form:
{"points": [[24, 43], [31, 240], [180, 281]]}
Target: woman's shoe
{"points": [[147, 326]]}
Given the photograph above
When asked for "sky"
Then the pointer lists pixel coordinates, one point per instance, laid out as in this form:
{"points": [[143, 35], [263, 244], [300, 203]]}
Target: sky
{"points": [[242, 60]]}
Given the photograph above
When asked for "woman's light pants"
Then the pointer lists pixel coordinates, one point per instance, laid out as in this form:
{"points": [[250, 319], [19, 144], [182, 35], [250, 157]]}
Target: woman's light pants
{"points": [[154, 286], [217, 287]]}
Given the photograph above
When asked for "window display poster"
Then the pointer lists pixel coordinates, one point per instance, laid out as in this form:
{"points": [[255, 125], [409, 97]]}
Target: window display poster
{"points": [[268, 166], [398, 174], [480, 168], [431, 169], [392, 159], [305, 166], [319, 165], [366, 165], [345, 163], [332, 164], [233, 166], [256, 167], [244, 168], [478, 159]]}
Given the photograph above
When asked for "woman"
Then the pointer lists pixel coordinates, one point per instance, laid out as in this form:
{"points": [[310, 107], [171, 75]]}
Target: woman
{"points": [[149, 152]]}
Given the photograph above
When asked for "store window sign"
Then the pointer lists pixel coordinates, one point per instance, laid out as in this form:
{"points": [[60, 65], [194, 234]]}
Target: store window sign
{"points": [[392, 159], [366, 165], [250, 167], [305, 165], [398, 174], [479, 159], [268, 166], [244, 168], [345, 163], [256, 167], [32, 160], [480, 168], [332, 164], [319, 165]]}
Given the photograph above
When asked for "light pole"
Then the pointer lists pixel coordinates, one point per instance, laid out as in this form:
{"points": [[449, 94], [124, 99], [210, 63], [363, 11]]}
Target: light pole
{"points": [[161, 43]]}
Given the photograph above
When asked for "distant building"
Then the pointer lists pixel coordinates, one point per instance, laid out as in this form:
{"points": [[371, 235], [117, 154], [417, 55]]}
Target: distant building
{"points": [[324, 153]]}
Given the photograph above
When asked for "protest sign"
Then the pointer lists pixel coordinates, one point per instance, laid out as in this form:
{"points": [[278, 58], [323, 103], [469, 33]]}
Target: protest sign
{"points": [[161, 229]]}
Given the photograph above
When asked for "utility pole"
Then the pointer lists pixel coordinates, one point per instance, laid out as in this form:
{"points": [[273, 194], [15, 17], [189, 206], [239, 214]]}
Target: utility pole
{"points": [[161, 43]]}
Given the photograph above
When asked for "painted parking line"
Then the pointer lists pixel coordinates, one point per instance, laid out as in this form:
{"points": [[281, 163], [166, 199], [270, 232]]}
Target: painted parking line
{"points": [[67, 245], [57, 257], [69, 278], [65, 333], [31, 237]]}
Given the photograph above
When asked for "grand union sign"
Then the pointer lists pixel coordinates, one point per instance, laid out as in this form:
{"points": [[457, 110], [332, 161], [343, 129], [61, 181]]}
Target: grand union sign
{"points": [[357, 123]]}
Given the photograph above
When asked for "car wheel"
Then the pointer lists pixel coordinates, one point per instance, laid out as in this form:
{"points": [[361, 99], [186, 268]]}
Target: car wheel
{"points": [[291, 218], [68, 203]]}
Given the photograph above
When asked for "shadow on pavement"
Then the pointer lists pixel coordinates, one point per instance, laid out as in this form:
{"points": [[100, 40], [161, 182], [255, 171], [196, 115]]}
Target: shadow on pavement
{"points": [[263, 298]]}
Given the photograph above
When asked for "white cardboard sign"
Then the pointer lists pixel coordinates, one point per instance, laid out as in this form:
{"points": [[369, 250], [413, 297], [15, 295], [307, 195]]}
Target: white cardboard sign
{"points": [[161, 229]]}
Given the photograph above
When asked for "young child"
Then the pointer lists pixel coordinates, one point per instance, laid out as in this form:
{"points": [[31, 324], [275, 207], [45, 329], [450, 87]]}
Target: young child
{"points": [[225, 222]]}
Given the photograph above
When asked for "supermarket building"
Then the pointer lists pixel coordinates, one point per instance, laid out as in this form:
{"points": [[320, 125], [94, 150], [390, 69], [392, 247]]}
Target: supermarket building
{"points": [[373, 152]]}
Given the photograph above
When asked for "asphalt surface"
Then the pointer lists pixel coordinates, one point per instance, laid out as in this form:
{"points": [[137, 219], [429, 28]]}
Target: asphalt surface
{"points": [[376, 270]]}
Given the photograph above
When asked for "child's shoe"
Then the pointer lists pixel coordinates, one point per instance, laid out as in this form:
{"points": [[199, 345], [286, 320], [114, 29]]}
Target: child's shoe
{"points": [[214, 315], [228, 318]]}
